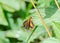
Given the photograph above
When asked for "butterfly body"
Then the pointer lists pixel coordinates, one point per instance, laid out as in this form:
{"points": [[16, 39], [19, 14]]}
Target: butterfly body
{"points": [[28, 23]]}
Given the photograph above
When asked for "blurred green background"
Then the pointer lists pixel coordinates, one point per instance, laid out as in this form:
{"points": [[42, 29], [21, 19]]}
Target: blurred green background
{"points": [[13, 13]]}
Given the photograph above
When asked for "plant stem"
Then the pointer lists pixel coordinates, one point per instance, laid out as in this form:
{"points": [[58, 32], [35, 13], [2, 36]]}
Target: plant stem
{"points": [[31, 34], [57, 4], [37, 11]]}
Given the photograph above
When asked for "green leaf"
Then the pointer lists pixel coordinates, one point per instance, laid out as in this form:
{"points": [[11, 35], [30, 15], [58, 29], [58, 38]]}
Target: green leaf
{"points": [[11, 22], [2, 17], [58, 2], [55, 17], [11, 3], [50, 10], [39, 31], [19, 34], [48, 21], [7, 8], [56, 29], [4, 41], [2, 34], [43, 3], [23, 33], [22, 5], [52, 17], [3, 38], [51, 40]]}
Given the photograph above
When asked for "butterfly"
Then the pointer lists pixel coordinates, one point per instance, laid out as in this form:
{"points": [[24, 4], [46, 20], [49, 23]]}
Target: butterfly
{"points": [[28, 23]]}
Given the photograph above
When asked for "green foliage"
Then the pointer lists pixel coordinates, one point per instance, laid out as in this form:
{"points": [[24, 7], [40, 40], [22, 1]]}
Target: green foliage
{"points": [[56, 29], [13, 13], [51, 40], [2, 17]]}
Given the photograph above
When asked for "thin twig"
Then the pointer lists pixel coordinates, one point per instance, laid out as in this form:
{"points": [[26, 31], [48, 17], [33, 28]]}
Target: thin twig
{"points": [[41, 18], [57, 4]]}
